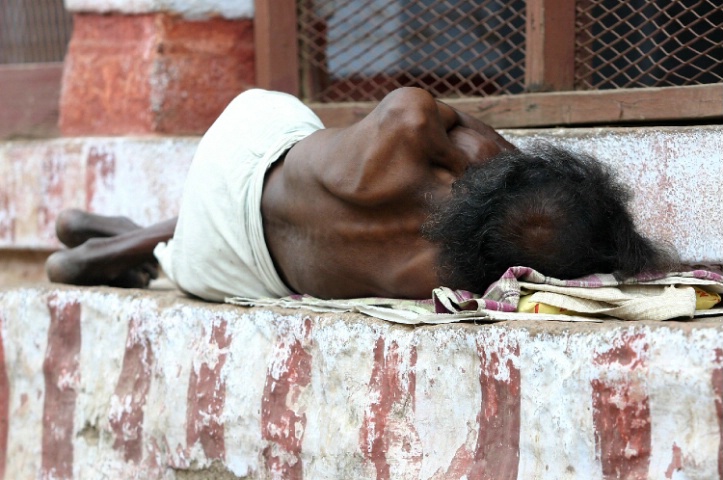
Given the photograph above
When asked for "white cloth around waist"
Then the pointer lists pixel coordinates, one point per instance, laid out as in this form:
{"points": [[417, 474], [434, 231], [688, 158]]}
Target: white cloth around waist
{"points": [[218, 248]]}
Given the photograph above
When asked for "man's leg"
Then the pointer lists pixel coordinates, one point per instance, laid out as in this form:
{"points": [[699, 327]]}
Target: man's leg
{"points": [[123, 260], [74, 227]]}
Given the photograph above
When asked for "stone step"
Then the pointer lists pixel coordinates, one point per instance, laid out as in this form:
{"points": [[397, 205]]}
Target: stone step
{"points": [[149, 384], [675, 173]]}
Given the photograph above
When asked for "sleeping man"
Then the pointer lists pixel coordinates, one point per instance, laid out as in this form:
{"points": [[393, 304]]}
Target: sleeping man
{"points": [[414, 196]]}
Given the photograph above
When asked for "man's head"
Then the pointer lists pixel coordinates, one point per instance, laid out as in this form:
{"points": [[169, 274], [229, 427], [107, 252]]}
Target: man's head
{"points": [[562, 214]]}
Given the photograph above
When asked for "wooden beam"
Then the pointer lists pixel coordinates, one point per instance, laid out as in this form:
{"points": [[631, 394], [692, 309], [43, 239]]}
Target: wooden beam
{"points": [[699, 103], [29, 95], [550, 45], [277, 51]]}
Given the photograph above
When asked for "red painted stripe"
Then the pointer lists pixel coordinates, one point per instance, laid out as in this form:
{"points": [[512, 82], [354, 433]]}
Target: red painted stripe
{"points": [[412, 376], [206, 399], [676, 463], [4, 405], [7, 222], [460, 466], [62, 377], [131, 391], [717, 381], [372, 439], [281, 426], [380, 428], [99, 173], [621, 413], [497, 453], [51, 192]]}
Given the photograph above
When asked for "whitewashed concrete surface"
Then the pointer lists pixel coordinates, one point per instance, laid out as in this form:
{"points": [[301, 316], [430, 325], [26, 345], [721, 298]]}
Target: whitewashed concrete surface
{"points": [[192, 9], [675, 173], [105, 383], [141, 178]]}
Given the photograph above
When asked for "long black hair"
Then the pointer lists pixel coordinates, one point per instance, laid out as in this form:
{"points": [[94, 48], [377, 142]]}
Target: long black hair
{"points": [[560, 213]]}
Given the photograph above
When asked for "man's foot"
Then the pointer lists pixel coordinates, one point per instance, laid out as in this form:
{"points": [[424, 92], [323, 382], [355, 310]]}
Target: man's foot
{"points": [[75, 227], [90, 264]]}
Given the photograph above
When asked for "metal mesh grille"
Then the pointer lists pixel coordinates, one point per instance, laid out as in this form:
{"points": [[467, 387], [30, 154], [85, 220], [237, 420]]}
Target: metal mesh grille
{"points": [[363, 49], [648, 43], [33, 31]]}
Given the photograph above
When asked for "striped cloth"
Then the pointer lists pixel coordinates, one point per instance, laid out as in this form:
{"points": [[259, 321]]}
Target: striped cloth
{"points": [[596, 297]]}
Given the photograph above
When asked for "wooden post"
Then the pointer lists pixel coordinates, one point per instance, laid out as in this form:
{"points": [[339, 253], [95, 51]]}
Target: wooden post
{"points": [[314, 62], [550, 44], [277, 51]]}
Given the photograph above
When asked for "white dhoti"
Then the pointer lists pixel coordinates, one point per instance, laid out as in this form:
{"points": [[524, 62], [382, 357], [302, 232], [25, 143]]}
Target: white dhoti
{"points": [[218, 249]]}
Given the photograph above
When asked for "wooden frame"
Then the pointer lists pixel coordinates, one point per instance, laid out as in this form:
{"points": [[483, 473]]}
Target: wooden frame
{"points": [[30, 96], [550, 67], [276, 45], [620, 106], [630, 105], [550, 44]]}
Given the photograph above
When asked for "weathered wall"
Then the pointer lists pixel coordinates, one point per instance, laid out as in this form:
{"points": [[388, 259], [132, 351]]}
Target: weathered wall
{"points": [[139, 177], [674, 172], [152, 73], [154, 66], [103, 383]]}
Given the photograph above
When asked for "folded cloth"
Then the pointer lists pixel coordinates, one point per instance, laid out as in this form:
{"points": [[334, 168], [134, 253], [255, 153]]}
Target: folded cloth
{"points": [[591, 298]]}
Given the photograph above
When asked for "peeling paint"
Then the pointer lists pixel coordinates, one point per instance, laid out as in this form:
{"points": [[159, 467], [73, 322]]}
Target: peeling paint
{"points": [[52, 184], [128, 402], [282, 426], [676, 464], [498, 448], [206, 398], [99, 176], [717, 381], [61, 359], [621, 410], [7, 217], [4, 404], [385, 432]]}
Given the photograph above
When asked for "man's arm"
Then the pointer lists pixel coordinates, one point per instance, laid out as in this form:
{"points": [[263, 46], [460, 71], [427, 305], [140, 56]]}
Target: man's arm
{"points": [[395, 150], [476, 139], [408, 141], [487, 132]]}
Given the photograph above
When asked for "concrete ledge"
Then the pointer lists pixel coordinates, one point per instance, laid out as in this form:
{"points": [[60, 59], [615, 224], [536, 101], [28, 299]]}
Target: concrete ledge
{"points": [[675, 173], [133, 384]]}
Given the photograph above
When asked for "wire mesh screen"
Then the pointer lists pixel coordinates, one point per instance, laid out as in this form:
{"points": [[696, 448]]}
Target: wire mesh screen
{"points": [[33, 31], [648, 43], [363, 49]]}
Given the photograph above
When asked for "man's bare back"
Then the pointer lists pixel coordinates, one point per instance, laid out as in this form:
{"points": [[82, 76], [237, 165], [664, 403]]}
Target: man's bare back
{"points": [[345, 210]]}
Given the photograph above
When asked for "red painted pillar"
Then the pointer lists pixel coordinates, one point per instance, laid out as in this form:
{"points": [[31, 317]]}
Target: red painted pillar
{"points": [[152, 73]]}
